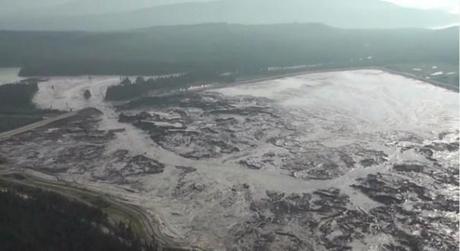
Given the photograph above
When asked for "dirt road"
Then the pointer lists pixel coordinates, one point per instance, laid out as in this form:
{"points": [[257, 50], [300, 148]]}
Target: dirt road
{"points": [[36, 125]]}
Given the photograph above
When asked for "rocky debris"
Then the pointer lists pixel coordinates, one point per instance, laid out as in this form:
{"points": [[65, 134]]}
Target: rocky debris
{"points": [[446, 176], [121, 155], [413, 214], [79, 153], [184, 188], [211, 125], [76, 145], [414, 230], [186, 169], [411, 205], [411, 217], [450, 135], [123, 168], [371, 157], [367, 162], [312, 160], [320, 171], [434, 165], [237, 193], [196, 145], [347, 160], [118, 130], [152, 123], [409, 168], [140, 165], [322, 165], [266, 161], [252, 164], [181, 100], [388, 189], [428, 150], [126, 118], [442, 146], [87, 94], [188, 189], [216, 126], [72, 145], [3, 160], [320, 220]]}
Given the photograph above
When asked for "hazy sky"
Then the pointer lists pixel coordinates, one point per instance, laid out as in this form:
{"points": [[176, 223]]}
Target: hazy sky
{"points": [[82, 7], [446, 5]]}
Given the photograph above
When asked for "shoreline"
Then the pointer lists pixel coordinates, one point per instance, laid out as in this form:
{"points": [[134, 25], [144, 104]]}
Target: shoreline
{"points": [[267, 77], [339, 69]]}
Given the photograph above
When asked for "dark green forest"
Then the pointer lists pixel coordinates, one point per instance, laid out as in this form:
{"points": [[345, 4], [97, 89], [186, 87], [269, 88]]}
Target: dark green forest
{"points": [[16, 106], [17, 95], [128, 89], [218, 48], [35, 220]]}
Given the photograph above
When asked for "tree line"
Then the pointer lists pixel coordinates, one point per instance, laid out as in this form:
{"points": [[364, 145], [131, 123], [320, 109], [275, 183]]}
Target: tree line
{"points": [[128, 89], [18, 95]]}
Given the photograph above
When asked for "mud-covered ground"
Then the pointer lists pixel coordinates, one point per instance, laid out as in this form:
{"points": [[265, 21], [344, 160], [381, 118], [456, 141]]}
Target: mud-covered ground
{"points": [[360, 160]]}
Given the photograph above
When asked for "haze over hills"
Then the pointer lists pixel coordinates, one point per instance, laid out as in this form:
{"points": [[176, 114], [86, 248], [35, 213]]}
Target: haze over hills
{"points": [[90, 15], [27, 8]]}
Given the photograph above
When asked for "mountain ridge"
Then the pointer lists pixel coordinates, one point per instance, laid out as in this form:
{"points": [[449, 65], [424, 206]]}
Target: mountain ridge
{"points": [[358, 14]]}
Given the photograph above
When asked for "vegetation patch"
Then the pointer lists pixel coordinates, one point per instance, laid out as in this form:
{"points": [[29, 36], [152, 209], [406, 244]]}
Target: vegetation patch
{"points": [[16, 106], [34, 219]]}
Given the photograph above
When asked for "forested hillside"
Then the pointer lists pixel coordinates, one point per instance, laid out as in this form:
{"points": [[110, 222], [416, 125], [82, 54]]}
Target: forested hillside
{"points": [[220, 48], [33, 219], [16, 106]]}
